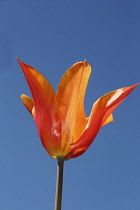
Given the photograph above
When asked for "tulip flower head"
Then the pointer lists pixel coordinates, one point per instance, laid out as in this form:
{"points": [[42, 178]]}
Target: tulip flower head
{"points": [[62, 125]]}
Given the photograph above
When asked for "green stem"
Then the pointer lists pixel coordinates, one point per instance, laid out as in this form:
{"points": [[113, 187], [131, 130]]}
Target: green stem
{"points": [[59, 183]]}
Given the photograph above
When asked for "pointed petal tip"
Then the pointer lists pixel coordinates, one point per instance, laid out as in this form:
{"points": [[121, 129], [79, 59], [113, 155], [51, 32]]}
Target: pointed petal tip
{"points": [[19, 61], [17, 58], [134, 86], [85, 63]]}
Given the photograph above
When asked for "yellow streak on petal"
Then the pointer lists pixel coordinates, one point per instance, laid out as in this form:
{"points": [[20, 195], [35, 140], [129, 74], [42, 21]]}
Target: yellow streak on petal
{"points": [[28, 102], [109, 120]]}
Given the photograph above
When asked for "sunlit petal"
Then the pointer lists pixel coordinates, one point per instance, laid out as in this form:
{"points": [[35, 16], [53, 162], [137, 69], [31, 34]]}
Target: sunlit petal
{"points": [[101, 110], [70, 98]]}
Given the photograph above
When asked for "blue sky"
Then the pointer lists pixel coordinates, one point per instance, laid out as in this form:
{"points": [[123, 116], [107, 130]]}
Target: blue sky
{"points": [[51, 36]]}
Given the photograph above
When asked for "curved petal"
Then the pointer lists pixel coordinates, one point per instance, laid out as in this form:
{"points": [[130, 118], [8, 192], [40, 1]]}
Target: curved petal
{"points": [[28, 102], [70, 100], [101, 110], [45, 86], [43, 95]]}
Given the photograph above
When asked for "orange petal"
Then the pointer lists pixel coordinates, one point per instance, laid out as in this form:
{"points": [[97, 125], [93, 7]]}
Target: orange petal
{"points": [[28, 102], [70, 99], [43, 95], [101, 110], [43, 84]]}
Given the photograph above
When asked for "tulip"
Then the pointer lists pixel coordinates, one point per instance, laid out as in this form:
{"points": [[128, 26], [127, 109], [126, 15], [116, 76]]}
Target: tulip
{"points": [[60, 118]]}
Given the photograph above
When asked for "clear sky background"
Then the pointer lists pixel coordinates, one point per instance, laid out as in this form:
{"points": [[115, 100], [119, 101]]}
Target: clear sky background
{"points": [[51, 36]]}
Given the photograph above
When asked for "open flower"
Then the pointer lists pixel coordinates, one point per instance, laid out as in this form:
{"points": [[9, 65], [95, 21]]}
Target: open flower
{"points": [[60, 118]]}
